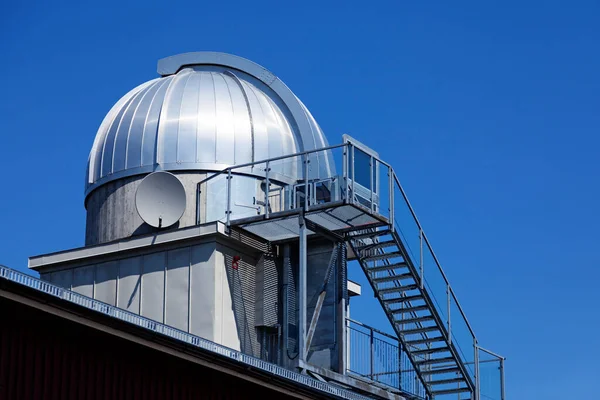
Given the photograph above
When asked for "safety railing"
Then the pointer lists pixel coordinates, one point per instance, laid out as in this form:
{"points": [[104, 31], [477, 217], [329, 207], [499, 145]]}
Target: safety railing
{"points": [[348, 174], [379, 357]]}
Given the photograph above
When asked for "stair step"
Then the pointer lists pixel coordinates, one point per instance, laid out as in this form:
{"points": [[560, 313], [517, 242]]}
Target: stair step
{"points": [[398, 289], [446, 381], [451, 391], [392, 278], [374, 246], [436, 361], [414, 320], [388, 267], [410, 309], [424, 341], [403, 299], [440, 371], [383, 256], [429, 351], [418, 330], [371, 234]]}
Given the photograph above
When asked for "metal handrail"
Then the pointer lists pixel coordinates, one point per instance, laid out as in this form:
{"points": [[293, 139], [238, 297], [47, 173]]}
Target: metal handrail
{"points": [[426, 240], [264, 161]]}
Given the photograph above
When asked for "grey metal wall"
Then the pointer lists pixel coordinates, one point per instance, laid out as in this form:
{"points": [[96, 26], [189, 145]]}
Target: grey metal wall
{"points": [[192, 288], [112, 215]]}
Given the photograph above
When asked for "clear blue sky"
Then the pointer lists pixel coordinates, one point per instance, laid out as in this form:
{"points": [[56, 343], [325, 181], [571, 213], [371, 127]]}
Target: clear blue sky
{"points": [[489, 111]]}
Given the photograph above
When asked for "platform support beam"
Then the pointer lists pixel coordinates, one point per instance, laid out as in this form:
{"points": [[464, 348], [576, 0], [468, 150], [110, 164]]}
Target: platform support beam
{"points": [[302, 289]]}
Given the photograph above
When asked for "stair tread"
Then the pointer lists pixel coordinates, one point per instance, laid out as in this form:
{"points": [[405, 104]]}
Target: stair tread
{"points": [[451, 391], [392, 278], [377, 245], [387, 267], [437, 361], [383, 256], [397, 300], [410, 309], [414, 320], [446, 381], [425, 340], [419, 330], [430, 351], [397, 289], [440, 371], [371, 234]]}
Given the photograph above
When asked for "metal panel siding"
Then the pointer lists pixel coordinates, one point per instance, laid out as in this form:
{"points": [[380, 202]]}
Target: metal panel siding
{"points": [[83, 280], [177, 294], [74, 362], [202, 284], [63, 278], [153, 286], [129, 284], [106, 282]]}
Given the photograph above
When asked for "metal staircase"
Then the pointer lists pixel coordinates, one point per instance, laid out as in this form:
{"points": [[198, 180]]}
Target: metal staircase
{"points": [[397, 284], [374, 216]]}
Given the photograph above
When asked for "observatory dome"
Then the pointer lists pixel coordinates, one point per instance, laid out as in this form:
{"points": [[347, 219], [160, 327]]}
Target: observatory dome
{"points": [[206, 111]]}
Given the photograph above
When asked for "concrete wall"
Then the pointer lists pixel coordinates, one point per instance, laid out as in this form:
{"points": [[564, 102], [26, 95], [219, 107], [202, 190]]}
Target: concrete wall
{"points": [[192, 288]]}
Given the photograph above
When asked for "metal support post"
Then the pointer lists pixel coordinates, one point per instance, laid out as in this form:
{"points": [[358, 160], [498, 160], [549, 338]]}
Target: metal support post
{"points": [[352, 173], [421, 266], [371, 167], [306, 190], [448, 301], [267, 190], [286, 301], [345, 173], [501, 378], [372, 346], [476, 361], [391, 189], [228, 198], [302, 289]]}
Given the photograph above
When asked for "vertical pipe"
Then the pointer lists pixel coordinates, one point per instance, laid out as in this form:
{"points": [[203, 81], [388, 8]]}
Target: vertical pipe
{"points": [[352, 173], [372, 351], [228, 198], [501, 378], [267, 190], [345, 172], [421, 266], [306, 190], [198, 203], [476, 361], [285, 299], [371, 166], [302, 289], [391, 200], [448, 294]]}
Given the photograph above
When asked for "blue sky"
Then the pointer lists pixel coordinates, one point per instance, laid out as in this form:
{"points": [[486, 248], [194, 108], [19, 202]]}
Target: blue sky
{"points": [[489, 112]]}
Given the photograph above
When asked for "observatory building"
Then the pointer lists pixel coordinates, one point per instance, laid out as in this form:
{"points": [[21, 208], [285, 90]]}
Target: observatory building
{"points": [[219, 232]]}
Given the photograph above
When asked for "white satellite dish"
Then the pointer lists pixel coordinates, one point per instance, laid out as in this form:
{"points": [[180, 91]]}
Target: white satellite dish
{"points": [[160, 199]]}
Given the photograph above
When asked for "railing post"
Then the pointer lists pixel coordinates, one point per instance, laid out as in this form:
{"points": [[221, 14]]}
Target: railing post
{"points": [[345, 172], [448, 305], [501, 378], [372, 345], [476, 362], [306, 190], [352, 171], [391, 189], [371, 167], [267, 189], [227, 224], [421, 266]]}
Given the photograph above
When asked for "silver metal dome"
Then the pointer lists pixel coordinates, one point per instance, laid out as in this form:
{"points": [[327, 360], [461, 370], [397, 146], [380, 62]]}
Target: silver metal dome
{"points": [[208, 111]]}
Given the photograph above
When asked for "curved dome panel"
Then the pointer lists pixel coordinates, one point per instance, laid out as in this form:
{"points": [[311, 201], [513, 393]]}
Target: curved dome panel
{"points": [[205, 116]]}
